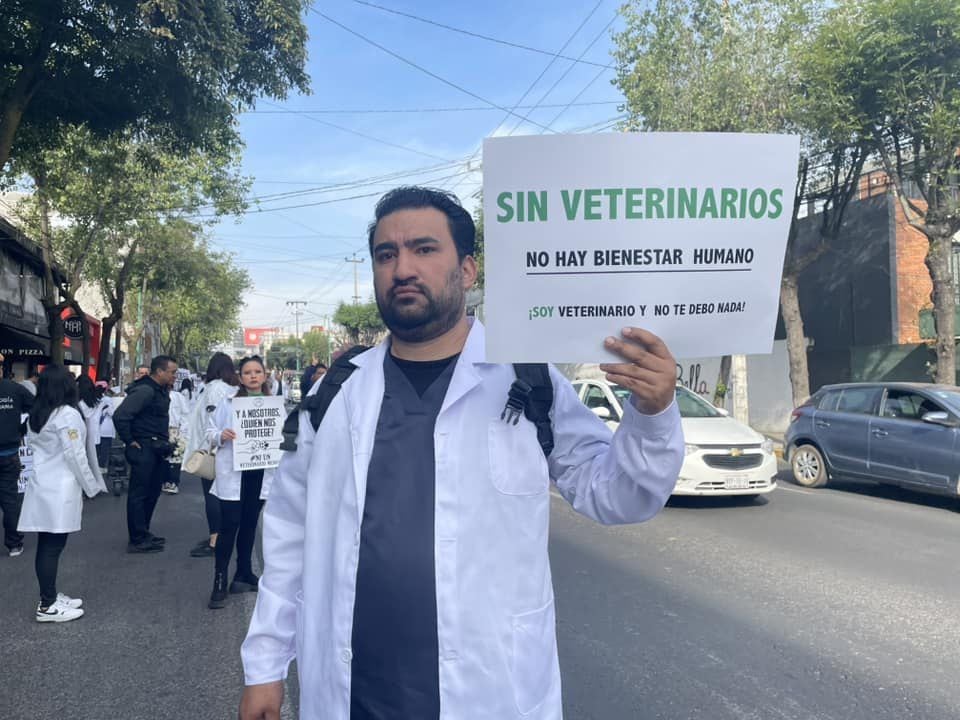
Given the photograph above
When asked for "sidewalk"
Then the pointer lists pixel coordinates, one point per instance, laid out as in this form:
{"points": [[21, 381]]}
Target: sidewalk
{"points": [[147, 648]]}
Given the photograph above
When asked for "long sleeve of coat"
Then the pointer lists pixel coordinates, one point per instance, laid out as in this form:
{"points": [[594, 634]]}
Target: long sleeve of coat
{"points": [[625, 478], [270, 644], [73, 442]]}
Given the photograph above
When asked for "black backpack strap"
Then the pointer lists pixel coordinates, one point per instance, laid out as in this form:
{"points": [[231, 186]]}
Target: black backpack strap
{"points": [[318, 403], [540, 401]]}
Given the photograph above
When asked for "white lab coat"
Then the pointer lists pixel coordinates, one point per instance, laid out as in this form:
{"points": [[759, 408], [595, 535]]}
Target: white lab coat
{"points": [[495, 611], [53, 501], [91, 418], [205, 404], [106, 408], [226, 485]]}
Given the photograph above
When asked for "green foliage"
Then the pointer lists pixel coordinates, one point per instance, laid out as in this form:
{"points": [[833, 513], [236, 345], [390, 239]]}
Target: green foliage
{"points": [[284, 354], [317, 345], [711, 65], [175, 71], [362, 323], [478, 247]]}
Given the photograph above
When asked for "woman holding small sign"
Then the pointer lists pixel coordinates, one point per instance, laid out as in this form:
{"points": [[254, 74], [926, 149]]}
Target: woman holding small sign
{"points": [[241, 492]]}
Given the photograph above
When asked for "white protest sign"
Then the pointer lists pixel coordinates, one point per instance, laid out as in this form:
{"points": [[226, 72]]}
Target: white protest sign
{"points": [[258, 423], [681, 234], [26, 465]]}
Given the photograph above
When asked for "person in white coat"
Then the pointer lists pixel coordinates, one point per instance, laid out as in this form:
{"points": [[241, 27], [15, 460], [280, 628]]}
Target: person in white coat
{"points": [[53, 501], [241, 493], [181, 408], [220, 382], [405, 542], [89, 406]]}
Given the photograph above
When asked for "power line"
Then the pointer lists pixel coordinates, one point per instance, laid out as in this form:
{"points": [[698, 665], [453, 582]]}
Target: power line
{"points": [[385, 111], [537, 80], [477, 35], [361, 134], [422, 69], [570, 67]]}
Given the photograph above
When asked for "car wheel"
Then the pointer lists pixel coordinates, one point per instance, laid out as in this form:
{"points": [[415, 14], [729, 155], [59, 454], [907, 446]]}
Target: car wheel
{"points": [[809, 468]]}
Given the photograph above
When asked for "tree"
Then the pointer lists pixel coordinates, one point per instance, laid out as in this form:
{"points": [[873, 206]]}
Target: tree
{"points": [[121, 202], [284, 353], [172, 70], [362, 322], [317, 345], [732, 66], [888, 71]]}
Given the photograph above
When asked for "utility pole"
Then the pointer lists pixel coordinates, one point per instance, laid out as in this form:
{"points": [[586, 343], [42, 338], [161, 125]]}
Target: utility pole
{"points": [[356, 282], [297, 312]]}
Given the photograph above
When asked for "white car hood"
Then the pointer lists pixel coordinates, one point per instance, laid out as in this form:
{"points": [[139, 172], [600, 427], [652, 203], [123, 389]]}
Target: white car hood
{"points": [[719, 431]]}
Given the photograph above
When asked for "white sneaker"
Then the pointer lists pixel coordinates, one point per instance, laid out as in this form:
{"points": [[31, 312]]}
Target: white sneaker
{"points": [[69, 601], [58, 613]]}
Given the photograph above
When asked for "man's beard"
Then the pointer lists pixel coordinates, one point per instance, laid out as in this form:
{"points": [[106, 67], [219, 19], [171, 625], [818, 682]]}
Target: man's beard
{"points": [[417, 322]]}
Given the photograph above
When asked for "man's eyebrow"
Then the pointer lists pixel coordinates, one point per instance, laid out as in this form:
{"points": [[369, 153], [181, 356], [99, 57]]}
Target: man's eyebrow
{"points": [[410, 243]]}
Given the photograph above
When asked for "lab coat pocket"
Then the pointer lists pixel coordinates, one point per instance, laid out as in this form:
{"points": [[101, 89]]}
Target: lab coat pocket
{"points": [[532, 659], [517, 464]]}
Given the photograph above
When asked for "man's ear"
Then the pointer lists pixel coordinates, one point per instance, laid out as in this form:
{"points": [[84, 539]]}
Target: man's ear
{"points": [[468, 266]]}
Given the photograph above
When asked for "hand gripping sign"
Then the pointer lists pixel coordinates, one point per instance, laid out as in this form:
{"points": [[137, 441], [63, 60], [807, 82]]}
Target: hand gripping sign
{"points": [[681, 234]]}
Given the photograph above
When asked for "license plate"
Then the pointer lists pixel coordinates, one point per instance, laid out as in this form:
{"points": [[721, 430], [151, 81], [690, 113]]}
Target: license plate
{"points": [[737, 482]]}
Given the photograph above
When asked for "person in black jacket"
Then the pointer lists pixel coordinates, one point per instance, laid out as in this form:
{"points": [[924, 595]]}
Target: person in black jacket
{"points": [[15, 401], [143, 423]]}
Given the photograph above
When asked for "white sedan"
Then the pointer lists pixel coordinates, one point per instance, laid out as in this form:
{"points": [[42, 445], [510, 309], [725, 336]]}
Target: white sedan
{"points": [[724, 456]]}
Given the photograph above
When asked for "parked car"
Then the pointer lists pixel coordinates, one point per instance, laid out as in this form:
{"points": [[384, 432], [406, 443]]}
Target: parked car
{"points": [[724, 457], [896, 433]]}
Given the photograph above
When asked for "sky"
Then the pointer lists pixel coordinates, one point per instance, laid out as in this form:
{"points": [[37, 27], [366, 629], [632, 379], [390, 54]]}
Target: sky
{"points": [[297, 246]]}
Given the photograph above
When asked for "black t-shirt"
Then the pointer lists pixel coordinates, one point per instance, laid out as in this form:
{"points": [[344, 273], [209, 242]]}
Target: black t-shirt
{"points": [[422, 373], [15, 400]]}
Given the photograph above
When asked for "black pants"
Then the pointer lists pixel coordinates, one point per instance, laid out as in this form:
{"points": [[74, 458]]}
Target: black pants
{"points": [[238, 524], [148, 473], [10, 499], [174, 474], [211, 504], [49, 547], [103, 451]]}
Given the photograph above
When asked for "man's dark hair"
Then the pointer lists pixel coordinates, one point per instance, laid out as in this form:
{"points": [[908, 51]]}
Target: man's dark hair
{"points": [[321, 365], [160, 362], [411, 197], [144, 367]]}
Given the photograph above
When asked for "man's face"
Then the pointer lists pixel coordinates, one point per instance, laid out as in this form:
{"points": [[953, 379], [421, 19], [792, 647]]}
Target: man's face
{"points": [[419, 282], [142, 371], [166, 376]]}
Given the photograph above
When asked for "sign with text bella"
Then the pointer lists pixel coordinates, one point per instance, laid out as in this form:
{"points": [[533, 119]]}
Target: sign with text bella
{"points": [[258, 423], [683, 234]]}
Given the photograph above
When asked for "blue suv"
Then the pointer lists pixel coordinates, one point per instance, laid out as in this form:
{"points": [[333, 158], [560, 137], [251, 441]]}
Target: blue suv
{"points": [[895, 433]]}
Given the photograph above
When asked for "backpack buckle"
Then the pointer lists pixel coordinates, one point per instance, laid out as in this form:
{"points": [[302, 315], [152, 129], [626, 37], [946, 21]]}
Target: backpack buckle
{"points": [[517, 400]]}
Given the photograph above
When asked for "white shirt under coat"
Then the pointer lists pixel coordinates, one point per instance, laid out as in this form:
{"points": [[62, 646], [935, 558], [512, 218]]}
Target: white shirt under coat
{"points": [[226, 485], [495, 609], [91, 418], [53, 501]]}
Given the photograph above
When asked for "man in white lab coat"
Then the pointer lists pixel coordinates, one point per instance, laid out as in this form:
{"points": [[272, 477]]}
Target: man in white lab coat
{"points": [[405, 542]]}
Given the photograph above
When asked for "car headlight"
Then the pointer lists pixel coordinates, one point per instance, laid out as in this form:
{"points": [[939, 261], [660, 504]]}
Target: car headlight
{"points": [[690, 449], [767, 446]]}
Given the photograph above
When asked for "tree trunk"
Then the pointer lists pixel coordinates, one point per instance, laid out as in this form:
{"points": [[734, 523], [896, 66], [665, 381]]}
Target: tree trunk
{"points": [[944, 303], [723, 382], [796, 342], [50, 304], [117, 353], [14, 102], [103, 361], [741, 393]]}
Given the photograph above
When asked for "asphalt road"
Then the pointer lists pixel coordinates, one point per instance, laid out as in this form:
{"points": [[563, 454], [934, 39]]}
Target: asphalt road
{"points": [[840, 603]]}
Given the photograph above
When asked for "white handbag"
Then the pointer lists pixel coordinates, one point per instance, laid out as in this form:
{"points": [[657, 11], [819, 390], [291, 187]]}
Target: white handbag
{"points": [[202, 463]]}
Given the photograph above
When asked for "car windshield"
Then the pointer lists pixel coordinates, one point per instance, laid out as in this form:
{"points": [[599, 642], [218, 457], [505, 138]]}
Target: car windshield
{"points": [[693, 406], [949, 397], [622, 394]]}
